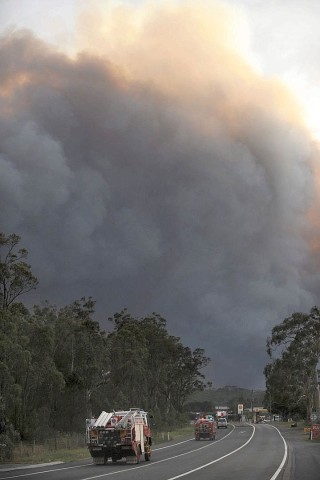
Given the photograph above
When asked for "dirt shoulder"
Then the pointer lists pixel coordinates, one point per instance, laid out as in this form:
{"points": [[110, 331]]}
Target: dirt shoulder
{"points": [[303, 454]]}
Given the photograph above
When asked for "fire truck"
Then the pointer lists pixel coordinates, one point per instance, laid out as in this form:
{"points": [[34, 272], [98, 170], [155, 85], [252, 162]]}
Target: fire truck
{"points": [[124, 434], [205, 427]]}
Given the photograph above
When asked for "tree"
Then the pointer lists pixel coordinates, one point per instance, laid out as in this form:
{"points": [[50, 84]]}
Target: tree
{"points": [[160, 346], [129, 366], [29, 379], [15, 274], [293, 376], [151, 368], [187, 377], [81, 354], [14, 360]]}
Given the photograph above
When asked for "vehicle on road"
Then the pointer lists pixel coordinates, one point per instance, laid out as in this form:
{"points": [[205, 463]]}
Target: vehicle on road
{"points": [[205, 427], [119, 434], [222, 422]]}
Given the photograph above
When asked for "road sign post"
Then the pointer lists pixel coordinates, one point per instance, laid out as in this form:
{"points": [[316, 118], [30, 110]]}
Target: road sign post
{"points": [[315, 432]]}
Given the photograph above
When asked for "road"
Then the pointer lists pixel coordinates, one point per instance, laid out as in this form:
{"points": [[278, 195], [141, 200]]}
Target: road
{"points": [[241, 452]]}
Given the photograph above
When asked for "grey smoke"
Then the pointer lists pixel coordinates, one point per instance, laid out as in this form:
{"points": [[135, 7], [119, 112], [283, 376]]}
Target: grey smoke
{"points": [[117, 194]]}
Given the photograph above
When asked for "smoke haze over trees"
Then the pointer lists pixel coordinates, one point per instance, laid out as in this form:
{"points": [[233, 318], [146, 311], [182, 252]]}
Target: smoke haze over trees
{"points": [[154, 167], [58, 367]]}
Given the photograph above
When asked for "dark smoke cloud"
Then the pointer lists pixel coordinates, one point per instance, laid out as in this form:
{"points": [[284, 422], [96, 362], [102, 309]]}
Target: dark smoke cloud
{"points": [[189, 203]]}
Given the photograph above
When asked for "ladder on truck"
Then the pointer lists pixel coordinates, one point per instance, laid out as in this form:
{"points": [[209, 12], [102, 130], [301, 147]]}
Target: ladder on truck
{"points": [[130, 415], [134, 418]]}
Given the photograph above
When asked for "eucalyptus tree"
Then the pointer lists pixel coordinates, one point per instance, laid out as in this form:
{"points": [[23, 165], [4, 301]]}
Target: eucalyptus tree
{"points": [[81, 355], [129, 365], [186, 375], [43, 381], [294, 372], [16, 277], [28, 373], [14, 359], [284, 389], [151, 366]]}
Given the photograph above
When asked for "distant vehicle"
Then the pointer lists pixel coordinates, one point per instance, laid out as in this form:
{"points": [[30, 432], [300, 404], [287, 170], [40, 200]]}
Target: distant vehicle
{"points": [[222, 422], [205, 427]]}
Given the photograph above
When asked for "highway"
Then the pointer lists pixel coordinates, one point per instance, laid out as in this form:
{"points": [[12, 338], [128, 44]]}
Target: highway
{"points": [[241, 452]]}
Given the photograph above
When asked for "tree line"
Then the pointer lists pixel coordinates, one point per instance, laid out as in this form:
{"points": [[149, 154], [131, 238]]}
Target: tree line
{"points": [[58, 367], [292, 376]]}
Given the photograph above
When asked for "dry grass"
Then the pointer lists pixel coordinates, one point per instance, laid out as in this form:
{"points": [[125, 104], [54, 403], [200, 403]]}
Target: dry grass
{"points": [[64, 449]]}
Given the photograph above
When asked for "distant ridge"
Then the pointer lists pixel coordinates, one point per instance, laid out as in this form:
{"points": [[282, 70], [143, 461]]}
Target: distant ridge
{"points": [[229, 395]]}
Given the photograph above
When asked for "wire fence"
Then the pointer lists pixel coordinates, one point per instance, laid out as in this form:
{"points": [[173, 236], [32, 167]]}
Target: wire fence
{"points": [[22, 451]]}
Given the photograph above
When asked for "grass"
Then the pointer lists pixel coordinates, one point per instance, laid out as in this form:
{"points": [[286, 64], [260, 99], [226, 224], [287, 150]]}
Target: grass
{"points": [[42, 454], [61, 455], [301, 427], [164, 436]]}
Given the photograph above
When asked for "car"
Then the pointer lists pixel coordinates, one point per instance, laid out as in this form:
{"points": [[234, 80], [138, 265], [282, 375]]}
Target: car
{"points": [[222, 423]]}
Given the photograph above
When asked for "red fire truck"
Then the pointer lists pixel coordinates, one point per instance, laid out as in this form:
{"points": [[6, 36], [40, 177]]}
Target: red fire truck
{"points": [[205, 427], [123, 434]]}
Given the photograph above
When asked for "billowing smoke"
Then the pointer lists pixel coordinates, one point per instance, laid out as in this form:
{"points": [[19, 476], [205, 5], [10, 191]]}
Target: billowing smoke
{"points": [[157, 170]]}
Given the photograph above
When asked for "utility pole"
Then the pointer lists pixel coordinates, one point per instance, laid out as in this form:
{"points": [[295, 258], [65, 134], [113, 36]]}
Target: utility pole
{"points": [[318, 389], [252, 405], [270, 405]]}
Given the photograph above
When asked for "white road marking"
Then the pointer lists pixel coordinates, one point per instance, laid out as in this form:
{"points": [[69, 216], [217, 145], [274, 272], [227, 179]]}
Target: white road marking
{"points": [[140, 466], [169, 446], [275, 475], [161, 461], [46, 471], [214, 461]]}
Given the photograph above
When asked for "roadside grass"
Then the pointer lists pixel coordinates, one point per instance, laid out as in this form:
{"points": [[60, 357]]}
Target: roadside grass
{"points": [[301, 427], [165, 436], [46, 454]]}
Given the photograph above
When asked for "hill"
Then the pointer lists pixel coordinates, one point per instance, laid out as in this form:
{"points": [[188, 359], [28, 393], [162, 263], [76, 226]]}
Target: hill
{"points": [[229, 396]]}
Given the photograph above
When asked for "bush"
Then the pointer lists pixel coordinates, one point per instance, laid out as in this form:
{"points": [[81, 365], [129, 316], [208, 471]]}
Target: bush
{"points": [[6, 447]]}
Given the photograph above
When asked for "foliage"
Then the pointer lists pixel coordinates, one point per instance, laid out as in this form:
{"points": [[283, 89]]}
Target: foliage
{"points": [[57, 367], [230, 396], [291, 379], [15, 274], [154, 367]]}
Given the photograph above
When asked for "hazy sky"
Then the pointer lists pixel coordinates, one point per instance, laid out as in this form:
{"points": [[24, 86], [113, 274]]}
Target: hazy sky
{"points": [[164, 157]]}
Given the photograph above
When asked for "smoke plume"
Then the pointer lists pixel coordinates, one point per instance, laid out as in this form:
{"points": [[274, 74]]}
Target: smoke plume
{"points": [[156, 169]]}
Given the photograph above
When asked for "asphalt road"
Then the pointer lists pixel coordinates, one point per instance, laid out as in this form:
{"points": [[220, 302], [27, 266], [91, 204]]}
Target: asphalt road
{"points": [[242, 452]]}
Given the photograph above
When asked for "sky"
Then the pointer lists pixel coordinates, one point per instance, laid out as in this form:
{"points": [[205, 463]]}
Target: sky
{"points": [[164, 157]]}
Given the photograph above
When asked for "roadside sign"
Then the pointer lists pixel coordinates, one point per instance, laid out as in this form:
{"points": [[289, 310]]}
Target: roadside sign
{"points": [[240, 408], [315, 432]]}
